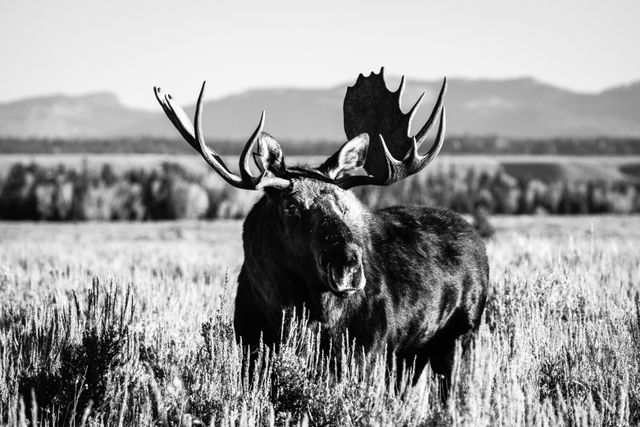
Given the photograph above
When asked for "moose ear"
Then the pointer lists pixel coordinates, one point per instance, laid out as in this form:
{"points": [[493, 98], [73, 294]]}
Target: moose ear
{"points": [[350, 156], [269, 155]]}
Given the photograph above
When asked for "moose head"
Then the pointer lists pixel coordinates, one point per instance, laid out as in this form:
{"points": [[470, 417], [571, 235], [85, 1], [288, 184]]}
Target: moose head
{"points": [[318, 228]]}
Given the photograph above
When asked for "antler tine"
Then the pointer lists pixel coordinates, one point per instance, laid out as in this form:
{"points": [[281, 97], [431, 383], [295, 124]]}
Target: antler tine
{"points": [[394, 166], [193, 134], [437, 144], [412, 112], [169, 110], [245, 171], [180, 115], [400, 89], [417, 162], [422, 133], [213, 158]]}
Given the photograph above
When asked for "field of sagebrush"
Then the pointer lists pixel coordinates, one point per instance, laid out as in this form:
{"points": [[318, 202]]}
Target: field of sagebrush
{"points": [[128, 324]]}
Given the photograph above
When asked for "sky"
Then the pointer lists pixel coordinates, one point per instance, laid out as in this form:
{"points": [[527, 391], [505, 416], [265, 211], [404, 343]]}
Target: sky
{"points": [[128, 46]]}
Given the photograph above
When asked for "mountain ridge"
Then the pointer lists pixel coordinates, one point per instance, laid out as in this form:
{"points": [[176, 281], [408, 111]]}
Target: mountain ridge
{"points": [[514, 107]]}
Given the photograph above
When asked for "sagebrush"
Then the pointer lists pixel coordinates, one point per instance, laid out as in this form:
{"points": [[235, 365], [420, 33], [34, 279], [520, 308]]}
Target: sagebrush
{"points": [[129, 325]]}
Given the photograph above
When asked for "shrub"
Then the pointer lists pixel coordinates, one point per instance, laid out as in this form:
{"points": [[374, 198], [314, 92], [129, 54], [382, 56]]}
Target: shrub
{"points": [[170, 192]]}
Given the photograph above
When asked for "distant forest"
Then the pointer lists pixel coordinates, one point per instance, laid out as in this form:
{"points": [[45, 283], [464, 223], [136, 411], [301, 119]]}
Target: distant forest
{"points": [[62, 193], [453, 145]]}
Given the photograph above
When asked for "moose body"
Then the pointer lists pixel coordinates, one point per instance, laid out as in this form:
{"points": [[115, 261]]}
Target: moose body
{"points": [[426, 275], [410, 280]]}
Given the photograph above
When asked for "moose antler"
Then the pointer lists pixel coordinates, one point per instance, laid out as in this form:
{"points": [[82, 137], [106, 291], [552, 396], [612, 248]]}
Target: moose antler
{"points": [[369, 107], [193, 135]]}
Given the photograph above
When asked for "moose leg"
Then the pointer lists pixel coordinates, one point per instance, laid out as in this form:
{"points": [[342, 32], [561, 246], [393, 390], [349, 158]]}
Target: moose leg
{"points": [[442, 366], [247, 319], [408, 365], [252, 325], [419, 363]]}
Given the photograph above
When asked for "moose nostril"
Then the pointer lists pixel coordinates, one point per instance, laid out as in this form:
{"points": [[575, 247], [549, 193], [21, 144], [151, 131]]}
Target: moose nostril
{"points": [[346, 277], [353, 255], [344, 256]]}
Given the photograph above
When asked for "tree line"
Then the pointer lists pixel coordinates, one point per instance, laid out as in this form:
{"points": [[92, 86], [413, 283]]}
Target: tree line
{"points": [[461, 144], [64, 193]]}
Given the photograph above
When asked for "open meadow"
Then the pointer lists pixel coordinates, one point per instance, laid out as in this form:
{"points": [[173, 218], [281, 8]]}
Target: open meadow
{"points": [[128, 324]]}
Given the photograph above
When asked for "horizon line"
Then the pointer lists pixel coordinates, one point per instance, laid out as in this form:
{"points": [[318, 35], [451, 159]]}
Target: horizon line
{"points": [[389, 78]]}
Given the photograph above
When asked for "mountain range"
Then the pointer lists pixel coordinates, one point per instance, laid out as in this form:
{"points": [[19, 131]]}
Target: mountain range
{"points": [[522, 107]]}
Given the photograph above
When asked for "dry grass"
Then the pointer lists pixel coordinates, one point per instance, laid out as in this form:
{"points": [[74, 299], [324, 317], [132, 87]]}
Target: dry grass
{"points": [[127, 324]]}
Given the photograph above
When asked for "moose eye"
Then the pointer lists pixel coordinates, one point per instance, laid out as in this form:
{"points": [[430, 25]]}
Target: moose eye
{"points": [[291, 210]]}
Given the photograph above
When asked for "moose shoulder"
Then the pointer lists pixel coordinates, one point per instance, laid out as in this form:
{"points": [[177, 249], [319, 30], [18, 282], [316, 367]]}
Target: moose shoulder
{"points": [[408, 279]]}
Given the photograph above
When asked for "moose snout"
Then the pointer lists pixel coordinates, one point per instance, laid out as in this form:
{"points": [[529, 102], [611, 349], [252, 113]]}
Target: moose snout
{"points": [[344, 269]]}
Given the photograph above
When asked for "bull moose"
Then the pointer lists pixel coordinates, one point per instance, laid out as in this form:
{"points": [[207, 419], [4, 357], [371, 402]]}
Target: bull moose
{"points": [[410, 279]]}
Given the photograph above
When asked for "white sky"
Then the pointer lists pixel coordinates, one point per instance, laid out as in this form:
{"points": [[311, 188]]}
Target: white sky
{"points": [[127, 46]]}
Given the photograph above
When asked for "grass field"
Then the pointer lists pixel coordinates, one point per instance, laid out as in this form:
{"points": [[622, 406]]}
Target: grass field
{"points": [[127, 324]]}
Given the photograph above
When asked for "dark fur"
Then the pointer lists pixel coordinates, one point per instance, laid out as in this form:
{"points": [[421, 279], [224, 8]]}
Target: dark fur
{"points": [[426, 283]]}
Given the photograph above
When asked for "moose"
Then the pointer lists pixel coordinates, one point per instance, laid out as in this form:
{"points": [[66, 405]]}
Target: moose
{"points": [[408, 279]]}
